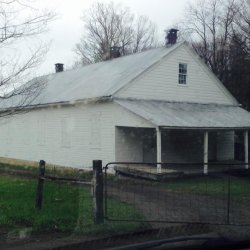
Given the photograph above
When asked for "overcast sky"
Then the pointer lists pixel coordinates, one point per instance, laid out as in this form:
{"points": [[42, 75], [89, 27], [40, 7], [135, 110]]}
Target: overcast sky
{"points": [[67, 29]]}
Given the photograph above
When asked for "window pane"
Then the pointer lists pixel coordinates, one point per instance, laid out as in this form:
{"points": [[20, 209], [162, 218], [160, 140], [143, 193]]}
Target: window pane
{"points": [[182, 79], [182, 73], [182, 68]]}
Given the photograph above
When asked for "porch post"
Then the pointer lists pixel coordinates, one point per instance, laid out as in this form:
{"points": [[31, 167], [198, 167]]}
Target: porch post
{"points": [[158, 142], [246, 148], [205, 153]]}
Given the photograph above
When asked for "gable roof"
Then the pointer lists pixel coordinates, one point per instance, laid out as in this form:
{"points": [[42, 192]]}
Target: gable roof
{"points": [[176, 115], [96, 80]]}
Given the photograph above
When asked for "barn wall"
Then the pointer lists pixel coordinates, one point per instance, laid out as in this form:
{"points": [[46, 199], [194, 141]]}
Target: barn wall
{"points": [[225, 145], [67, 136], [161, 82], [74, 136]]}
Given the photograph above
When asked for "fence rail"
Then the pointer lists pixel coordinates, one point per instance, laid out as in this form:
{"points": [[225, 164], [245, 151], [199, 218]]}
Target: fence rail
{"points": [[64, 179]]}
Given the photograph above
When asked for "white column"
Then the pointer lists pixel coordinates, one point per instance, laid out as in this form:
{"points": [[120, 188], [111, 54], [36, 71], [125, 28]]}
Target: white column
{"points": [[246, 148], [158, 142], [205, 154]]}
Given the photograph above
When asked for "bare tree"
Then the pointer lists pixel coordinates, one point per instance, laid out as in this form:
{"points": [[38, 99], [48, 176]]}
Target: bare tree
{"points": [[144, 35], [238, 77], [209, 25], [242, 24], [20, 52], [219, 32], [108, 25]]}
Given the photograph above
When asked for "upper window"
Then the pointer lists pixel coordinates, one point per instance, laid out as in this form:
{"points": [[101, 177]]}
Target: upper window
{"points": [[182, 73]]}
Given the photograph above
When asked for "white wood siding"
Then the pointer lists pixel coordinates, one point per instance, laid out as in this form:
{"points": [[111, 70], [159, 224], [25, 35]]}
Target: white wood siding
{"points": [[160, 82], [64, 136]]}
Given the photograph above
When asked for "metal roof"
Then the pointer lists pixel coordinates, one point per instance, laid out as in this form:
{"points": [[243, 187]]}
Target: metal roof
{"points": [[188, 115], [93, 81]]}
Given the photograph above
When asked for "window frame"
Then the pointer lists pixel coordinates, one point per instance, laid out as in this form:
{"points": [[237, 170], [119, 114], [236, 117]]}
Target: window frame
{"points": [[182, 74]]}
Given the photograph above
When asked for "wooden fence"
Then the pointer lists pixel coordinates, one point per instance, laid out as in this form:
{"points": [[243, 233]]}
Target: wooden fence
{"points": [[97, 183]]}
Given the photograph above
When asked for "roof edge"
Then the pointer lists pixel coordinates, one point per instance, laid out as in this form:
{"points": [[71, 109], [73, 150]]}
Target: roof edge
{"points": [[169, 101], [174, 127]]}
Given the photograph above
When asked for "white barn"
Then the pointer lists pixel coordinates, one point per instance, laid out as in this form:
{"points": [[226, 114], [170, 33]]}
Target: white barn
{"points": [[160, 105]]}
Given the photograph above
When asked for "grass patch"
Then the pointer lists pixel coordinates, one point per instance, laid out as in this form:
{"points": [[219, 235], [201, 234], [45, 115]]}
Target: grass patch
{"points": [[6, 166], [66, 208], [214, 186]]}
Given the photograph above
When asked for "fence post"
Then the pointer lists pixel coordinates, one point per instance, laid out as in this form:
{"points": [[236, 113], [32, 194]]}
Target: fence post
{"points": [[228, 197], [39, 190], [98, 192]]}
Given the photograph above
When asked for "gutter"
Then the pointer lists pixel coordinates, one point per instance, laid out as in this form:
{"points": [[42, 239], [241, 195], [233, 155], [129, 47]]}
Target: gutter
{"points": [[206, 128], [60, 104], [174, 102]]}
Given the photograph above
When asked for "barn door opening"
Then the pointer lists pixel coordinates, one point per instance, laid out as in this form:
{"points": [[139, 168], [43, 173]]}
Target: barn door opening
{"points": [[212, 146], [149, 146], [135, 144]]}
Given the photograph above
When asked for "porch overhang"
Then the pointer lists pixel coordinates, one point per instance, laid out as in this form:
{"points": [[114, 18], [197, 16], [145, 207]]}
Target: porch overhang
{"points": [[173, 115]]}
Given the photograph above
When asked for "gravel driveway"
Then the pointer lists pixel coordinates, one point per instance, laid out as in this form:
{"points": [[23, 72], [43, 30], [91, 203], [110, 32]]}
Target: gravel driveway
{"points": [[161, 205]]}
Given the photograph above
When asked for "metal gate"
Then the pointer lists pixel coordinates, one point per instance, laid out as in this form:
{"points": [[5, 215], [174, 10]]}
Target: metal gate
{"points": [[180, 193]]}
